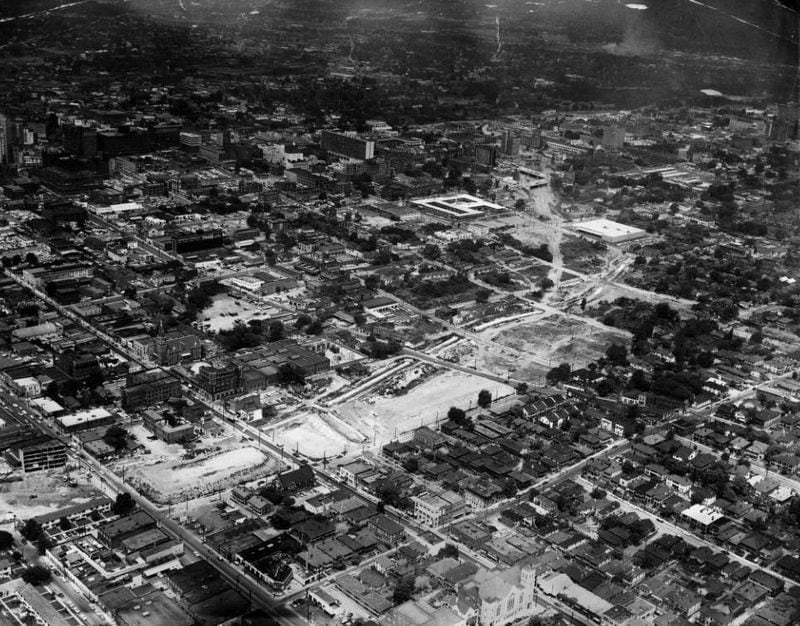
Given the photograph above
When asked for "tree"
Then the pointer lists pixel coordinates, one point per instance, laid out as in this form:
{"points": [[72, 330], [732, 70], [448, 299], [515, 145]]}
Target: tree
{"points": [[31, 530], [124, 504], [509, 488], [388, 492], [280, 520], [36, 575], [482, 296], [560, 373], [545, 284], [43, 544], [302, 320], [373, 282], [456, 415], [288, 375], [639, 380], [448, 551], [411, 464], [404, 589], [272, 493], [275, 330], [484, 398], [31, 259], [6, 540], [314, 328], [51, 391], [617, 354], [665, 312], [597, 493], [116, 437], [432, 251]]}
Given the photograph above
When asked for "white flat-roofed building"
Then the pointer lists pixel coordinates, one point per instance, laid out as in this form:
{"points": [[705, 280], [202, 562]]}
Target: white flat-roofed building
{"points": [[702, 517], [782, 494], [117, 209], [42, 332], [85, 419], [29, 386], [190, 140], [460, 206], [246, 283], [325, 601], [380, 306], [608, 231], [437, 509], [560, 585], [48, 407]]}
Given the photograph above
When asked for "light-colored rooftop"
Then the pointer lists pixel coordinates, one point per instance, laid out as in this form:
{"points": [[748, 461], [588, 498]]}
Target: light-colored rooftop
{"points": [[458, 206], [704, 515], [608, 229], [84, 417]]}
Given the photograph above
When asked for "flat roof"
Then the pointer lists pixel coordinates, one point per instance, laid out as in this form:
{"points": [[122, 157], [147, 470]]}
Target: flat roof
{"points": [[704, 515], [606, 228], [323, 596], [84, 417], [458, 205]]}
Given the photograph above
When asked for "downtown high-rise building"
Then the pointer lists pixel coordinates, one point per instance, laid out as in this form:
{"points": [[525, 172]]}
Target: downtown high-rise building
{"points": [[4, 139]]}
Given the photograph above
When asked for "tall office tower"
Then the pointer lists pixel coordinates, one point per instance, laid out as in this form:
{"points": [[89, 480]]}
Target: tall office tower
{"points": [[532, 139], [347, 146], [80, 140], [511, 143], [613, 137], [786, 125], [3, 139], [486, 155]]}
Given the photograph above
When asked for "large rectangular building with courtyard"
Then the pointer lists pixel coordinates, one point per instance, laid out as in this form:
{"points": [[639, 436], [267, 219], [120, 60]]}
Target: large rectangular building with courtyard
{"points": [[456, 207]]}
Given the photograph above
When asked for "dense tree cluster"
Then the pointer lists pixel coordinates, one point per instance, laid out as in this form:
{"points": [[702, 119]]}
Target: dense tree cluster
{"points": [[116, 437]]}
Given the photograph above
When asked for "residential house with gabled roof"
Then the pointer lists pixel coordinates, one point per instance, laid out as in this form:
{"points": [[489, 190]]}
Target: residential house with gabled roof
{"points": [[656, 471], [657, 495], [680, 484], [737, 446], [786, 463], [756, 451]]}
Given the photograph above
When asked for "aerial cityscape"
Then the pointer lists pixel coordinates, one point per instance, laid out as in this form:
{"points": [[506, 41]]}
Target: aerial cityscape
{"points": [[404, 313]]}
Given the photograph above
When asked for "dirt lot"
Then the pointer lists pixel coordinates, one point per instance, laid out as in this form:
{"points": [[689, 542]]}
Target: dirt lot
{"points": [[554, 340], [43, 492], [220, 315], [582, 255], [381, 418], [167, 474], [315, 435], [609, 293]]}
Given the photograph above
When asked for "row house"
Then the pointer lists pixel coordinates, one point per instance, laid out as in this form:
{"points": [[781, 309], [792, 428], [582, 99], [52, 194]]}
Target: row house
{"points": [[613, 425]]}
